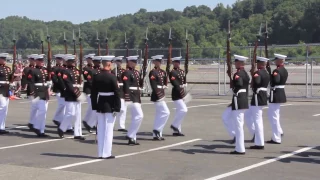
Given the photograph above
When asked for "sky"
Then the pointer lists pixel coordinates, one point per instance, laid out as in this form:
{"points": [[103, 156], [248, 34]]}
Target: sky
{"points": [[79, 11]]}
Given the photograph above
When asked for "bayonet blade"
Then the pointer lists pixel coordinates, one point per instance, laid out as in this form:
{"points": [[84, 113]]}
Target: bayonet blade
{"points": [[170, 34], [64, 36], [73, 35], [97, 35], [147, 33], [79, 32]]}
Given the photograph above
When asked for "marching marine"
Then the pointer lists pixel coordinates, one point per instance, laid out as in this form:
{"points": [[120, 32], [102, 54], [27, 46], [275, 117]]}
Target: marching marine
{"points": [[158, 82], [106, 97], [178, 94], [5, 76], [131, 87], [278, 80], [121, 116]]}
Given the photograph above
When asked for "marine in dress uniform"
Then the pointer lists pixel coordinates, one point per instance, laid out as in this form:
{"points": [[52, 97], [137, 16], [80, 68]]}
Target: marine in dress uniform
{"points": [[92, 123], [73, 98], [239, 102], [87, 76], [39, 88], [278, 80], [106, 97], [5, 76], [25, 85], [158, 82], [121, 116], [131, 87], [259, 99], [178, 94]]}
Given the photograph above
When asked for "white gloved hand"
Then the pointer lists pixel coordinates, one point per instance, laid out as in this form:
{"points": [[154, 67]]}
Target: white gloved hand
{"points": [[165, 87], [187, 98], [185, 85], [114, 114], [82, 98]]}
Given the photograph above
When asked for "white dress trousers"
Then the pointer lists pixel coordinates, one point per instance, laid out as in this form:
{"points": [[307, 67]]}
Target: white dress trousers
{"points": [[41, 115], [60, 111], [94, 119], [274, 119], [136, 120], [227, 121], [105, 134], [33, 110], [161, 116], [4, 103], [248, 119], [89, 115], [181, 112], [121, 116], [256, 113], [72, 115], [238, 120]]}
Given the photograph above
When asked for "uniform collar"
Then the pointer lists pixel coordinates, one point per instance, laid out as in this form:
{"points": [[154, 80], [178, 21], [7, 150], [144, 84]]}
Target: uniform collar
{"points": [[89, 65], [96, 67], [131, 68], [64, 65], [279, 66], [2, 65], [176, 68], [59, 65], [31, 66], [39, 67], [70, 67], [239, 69]]}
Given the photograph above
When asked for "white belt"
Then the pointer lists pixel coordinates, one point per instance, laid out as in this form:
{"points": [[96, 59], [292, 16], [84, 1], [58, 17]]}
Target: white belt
{"points": [[181, 86], [76, 85], [235, 98], [106, 93], [274, 88], [134, 88], [40, 84], [4, 82], [85, 80], [160, 87], [120, 84], [256, 94]]}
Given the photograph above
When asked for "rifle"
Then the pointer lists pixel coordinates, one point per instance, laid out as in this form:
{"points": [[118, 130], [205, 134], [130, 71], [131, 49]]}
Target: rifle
{"points": [[186, 63], [74, 45], [14, 57], [107, 46], [42, 48], [49, 54], [254, 58], [266, 48], [169, 56], [229, 64], [98, 42], [65, 43], [145, 60], [80, 58], [127, 49]]}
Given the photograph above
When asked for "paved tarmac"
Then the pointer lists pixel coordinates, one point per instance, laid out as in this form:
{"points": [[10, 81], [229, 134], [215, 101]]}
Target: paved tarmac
{"points": [[201, 154]]}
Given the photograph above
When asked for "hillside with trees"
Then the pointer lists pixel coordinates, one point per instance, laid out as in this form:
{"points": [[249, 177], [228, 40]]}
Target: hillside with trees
{"points": [[289, 22]]}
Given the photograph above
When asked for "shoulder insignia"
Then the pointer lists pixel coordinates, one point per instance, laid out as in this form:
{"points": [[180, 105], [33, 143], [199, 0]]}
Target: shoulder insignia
{"points": [[152, 77], [89, 77], [256, 75], [85, 72], [275, 73], [65, 76], [173, 78], [59, 74], [237, 77], [29, 76], [52, 73], [45, 71], [125, 78]]}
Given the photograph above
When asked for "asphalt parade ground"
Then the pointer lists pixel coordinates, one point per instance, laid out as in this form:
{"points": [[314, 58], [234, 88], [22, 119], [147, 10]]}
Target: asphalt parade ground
{"points": [[202, 154]]}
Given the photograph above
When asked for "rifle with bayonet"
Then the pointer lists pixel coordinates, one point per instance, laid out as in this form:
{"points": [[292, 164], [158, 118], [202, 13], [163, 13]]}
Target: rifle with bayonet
{"points": [[80, 57], [98, 43], [14, 57], [49, 54], [145, 60], [169, 56], [107, 46], [229, 64], [127, 49], [266, 36], [65, 43], [186, 62], [254, 58]]}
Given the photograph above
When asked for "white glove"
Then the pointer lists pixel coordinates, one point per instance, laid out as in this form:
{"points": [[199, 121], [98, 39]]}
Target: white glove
{"points": [[49, 83], [82, 98], [185, 85], [114, 114], [165, 87], [187, 98]]}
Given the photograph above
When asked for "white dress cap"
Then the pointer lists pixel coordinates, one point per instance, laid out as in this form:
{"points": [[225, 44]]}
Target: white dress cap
{"points": [[240, 58], [157, 57], [280, 56], [4, 55], [119, 58], [133, 58], [262, 59], [107, 58], [38, 57], [177, 58], [59, 55], [96, 58], [69, 57]]}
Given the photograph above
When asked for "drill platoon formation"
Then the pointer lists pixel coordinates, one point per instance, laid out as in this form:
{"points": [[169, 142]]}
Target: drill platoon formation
{"points": [[110, 90]]}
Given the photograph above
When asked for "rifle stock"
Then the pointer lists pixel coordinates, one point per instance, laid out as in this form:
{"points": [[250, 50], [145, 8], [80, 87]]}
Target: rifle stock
{"points": [[229, 64]]}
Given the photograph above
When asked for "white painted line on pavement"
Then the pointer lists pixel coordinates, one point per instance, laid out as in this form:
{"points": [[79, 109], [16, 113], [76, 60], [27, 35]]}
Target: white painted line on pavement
{"points": [[221, 176], [125, 155], [316, 115], [204, 105]]}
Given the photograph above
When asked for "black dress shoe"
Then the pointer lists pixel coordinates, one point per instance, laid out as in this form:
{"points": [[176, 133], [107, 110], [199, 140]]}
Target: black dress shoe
{"points": [[110, 157], [127, 138], [88, 128], [37, 131], [236, 152], [133, 142], [158, 139], [44, 135], [61, 133], [157, 133], [174, 128], [252, 140], [57, 123], [272, 142], [122, 130], [70, 131], [79, 138], [177, 134], [4, 132], [233, 140], [30, 126], [257, 147], [282, 135]]}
